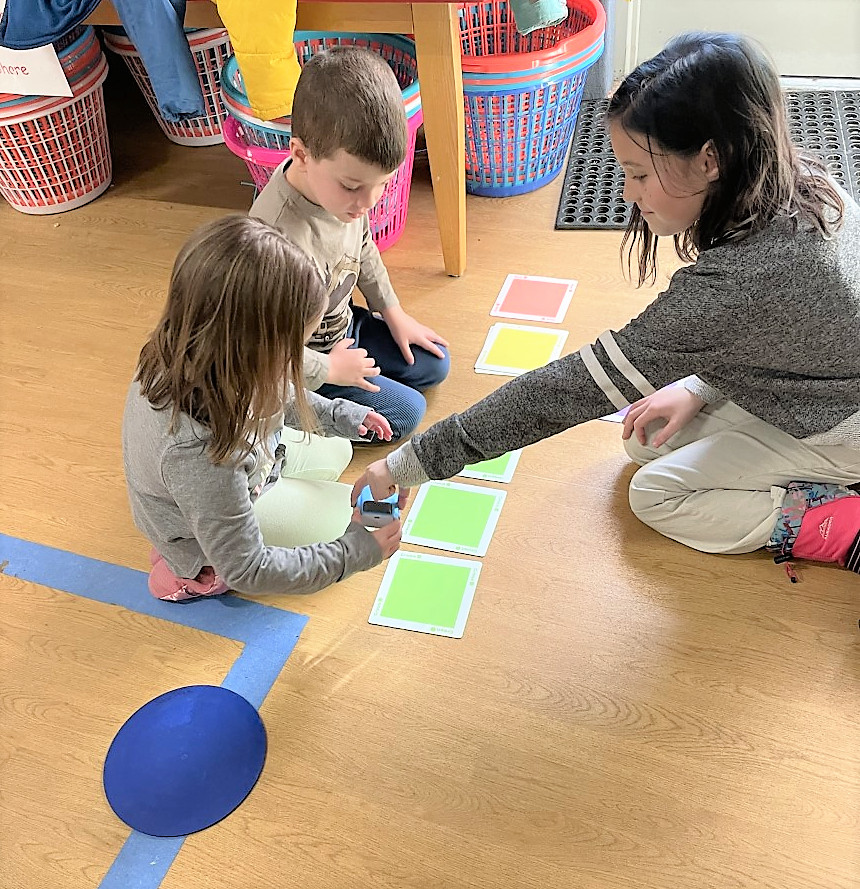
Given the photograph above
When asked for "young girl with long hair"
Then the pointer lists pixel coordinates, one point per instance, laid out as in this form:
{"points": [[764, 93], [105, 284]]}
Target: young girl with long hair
{"points": [[758, 446], [226, 473]]}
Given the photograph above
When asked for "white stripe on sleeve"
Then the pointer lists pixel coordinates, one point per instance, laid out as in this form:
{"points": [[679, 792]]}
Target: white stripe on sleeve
{"points": [[592, 365], [619, 359]]}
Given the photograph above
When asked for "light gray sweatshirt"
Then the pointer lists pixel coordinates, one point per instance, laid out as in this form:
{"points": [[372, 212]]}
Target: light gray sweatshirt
{"points": [[344, 255], [196, 513], [771, 322]]}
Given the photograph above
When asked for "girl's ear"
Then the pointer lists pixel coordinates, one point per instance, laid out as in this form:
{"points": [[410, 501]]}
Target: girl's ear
{"points": [[710, 162]]}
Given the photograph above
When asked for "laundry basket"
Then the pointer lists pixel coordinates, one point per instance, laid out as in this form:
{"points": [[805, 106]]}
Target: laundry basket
{"points": [[522, 93], [387, 218], [264, 144], [210, 48], [54, 151]]}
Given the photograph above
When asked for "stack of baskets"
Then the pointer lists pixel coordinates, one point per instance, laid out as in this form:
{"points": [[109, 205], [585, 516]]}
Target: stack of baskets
{"points": [[265, 144], [54, 151], [210, 48], [522, 93]]}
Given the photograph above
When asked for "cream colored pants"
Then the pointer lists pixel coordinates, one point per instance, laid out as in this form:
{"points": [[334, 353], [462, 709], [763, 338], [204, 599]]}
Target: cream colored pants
{"points": [[307, 504], [718, 484]]}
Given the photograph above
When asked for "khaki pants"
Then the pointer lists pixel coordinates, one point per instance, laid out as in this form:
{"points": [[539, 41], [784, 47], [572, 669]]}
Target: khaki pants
{"points": [[307, 504], [718, 484]]}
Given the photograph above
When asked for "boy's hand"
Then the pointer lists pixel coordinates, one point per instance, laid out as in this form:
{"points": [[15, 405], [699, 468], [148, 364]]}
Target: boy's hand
{"points": [[381, 484], [675, 405], [377, 424], [405, 330], [350, 367]]}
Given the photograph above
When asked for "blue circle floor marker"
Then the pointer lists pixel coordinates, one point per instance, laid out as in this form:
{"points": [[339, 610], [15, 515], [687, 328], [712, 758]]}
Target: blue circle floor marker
{"points": [[185, 760]]}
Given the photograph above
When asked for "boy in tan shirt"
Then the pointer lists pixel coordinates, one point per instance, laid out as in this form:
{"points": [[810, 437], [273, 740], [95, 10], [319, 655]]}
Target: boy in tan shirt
{"points": [[349, 136]]}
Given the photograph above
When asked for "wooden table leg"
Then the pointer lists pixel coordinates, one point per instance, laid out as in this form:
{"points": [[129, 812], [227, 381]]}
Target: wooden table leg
{"points": [[437, 46]]}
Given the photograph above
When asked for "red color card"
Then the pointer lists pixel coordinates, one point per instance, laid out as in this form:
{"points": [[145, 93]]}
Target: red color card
{"points": [[534, 299]]}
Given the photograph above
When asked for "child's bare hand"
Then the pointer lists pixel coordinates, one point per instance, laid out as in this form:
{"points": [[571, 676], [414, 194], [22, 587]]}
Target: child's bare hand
{"points": [[675, 405], [406, 331], [351, 367], [381, 484], [377, 424], [388, 538]]}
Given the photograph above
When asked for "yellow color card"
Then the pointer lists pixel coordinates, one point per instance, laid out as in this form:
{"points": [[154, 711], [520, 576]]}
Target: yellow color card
{"points": [[512, 349]]}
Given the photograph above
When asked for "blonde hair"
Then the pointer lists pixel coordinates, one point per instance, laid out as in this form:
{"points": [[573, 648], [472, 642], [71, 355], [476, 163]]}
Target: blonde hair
{"points": [[232, 334]]}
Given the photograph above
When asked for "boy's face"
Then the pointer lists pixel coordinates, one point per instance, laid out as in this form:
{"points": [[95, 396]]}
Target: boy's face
{"points": [[344, 185]]}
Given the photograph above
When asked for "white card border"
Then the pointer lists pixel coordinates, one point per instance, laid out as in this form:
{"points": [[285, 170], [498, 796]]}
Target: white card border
{"points": [[506, 476], [489, 529], [497, 312], [455, 632], [481, 365]]}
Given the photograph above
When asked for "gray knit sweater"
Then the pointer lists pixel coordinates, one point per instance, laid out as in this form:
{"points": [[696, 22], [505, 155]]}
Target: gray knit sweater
{"points": [[196, 513], [771, 323]]}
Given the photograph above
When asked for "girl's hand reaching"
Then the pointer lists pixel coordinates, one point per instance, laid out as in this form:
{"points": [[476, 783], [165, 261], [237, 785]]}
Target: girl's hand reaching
{"points": [[388, 538], [674, 404], [381, 484], [376, 424]]}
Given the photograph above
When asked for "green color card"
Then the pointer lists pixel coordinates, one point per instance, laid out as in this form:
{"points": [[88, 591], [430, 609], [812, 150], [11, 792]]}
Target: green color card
{"points": [[428, 594], [459, 518], [512, 349], [499, 469]]}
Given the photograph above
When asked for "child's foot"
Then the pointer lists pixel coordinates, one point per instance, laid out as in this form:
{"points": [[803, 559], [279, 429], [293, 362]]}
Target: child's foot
{"points": [[819, 522], [165, 585]]}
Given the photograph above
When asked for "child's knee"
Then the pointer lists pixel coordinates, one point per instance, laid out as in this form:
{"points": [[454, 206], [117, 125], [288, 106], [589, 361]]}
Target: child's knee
{"points": [[642, 453], [405, 415], [314, 456], [646, 496], [428, 370]]}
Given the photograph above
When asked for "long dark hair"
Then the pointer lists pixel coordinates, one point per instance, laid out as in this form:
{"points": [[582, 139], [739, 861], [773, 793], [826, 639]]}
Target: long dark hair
{"points": [[232, 334], [721, 89]]}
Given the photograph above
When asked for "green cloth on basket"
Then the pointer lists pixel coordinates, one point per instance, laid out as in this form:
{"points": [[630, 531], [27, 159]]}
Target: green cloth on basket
{"points": [[530, 15]]}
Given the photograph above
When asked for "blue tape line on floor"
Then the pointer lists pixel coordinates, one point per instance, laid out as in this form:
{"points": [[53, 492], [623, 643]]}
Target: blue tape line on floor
{"points": [[269, 636]]}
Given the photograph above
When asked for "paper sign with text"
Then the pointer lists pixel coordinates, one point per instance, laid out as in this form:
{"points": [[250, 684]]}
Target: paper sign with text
{"points": [[32, 72]]}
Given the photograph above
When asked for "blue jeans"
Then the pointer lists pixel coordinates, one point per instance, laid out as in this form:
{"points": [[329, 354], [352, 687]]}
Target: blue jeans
{"points": [[399, 399]]}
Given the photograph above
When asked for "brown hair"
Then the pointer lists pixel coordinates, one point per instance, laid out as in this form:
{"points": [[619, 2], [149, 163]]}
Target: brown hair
{"points": [[232, 334], [348, 98], [721, 89]]}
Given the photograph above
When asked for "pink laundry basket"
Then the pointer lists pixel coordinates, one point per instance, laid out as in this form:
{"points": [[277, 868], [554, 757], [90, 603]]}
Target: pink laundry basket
{"points": [[211, 49], [54, 152], [387, 219]]}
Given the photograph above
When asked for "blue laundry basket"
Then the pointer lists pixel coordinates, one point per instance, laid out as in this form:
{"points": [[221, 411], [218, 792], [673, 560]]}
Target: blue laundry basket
{"points": [[522, 93]]}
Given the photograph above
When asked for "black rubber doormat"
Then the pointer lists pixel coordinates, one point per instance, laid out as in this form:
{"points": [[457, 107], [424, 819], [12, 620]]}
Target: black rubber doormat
{"points": [[824, 122]]}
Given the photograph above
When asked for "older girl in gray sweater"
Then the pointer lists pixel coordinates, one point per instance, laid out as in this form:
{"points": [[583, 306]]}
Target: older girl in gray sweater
{"points": [[757, 448]]}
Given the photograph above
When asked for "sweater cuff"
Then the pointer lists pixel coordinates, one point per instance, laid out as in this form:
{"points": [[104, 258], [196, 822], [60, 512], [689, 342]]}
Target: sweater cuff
{"points": [[348, 416], [405, 467], [360, 550], [316, 365], [707, 393]]}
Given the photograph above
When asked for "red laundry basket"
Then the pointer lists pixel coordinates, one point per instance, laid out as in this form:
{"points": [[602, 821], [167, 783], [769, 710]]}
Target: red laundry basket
{"points": [[54, 152], [522, 93]]}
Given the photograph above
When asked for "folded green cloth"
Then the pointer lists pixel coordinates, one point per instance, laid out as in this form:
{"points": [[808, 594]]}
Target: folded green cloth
{"points": [[530, 15]]}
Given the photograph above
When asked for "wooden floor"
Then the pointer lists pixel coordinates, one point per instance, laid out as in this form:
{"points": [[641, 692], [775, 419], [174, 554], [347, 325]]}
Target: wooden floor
{"points": [[622, 713]]}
